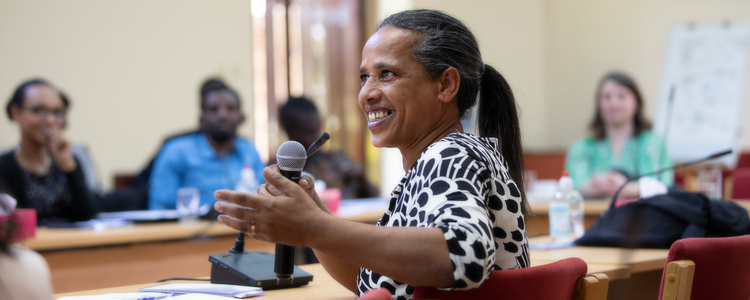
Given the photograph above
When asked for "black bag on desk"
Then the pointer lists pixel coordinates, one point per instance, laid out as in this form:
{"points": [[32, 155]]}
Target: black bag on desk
{"points": [[659, 221]]}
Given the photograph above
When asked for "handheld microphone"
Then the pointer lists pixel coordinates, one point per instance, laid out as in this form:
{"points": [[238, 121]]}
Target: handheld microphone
{"points": [[291, 158], [677, 166], [318, 143]]}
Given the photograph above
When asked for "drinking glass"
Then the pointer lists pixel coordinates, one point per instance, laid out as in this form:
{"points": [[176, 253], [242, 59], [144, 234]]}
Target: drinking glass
{"points": [[709, 182], [188, 200]]}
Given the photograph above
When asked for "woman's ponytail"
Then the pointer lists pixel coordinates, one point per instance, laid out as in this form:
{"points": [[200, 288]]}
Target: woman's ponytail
{"points": [[444, 42], [497, 117]]}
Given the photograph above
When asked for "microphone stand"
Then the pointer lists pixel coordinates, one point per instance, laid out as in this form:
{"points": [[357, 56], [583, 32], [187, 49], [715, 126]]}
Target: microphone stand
{"points": [[677, 166], [258, 268]]}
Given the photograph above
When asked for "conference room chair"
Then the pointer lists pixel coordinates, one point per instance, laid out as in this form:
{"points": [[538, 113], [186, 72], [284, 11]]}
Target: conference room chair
{"points": [[707, 268], [561, 280], [741, 183]]}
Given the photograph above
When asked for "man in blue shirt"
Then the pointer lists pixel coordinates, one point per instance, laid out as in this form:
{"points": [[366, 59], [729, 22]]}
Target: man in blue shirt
{"points": [[210, 159]]}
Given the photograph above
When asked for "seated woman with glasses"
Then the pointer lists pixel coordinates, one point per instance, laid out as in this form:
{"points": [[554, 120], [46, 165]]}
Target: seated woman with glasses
{"points": [[41, 172]]}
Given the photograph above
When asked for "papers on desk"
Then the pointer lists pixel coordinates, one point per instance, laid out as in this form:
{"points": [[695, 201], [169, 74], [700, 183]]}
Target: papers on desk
{"points": [[140, 215], [148, 215], [119, 296], [551, 245], [541, 190], [146, 296], [227, 290], [95, 224]]}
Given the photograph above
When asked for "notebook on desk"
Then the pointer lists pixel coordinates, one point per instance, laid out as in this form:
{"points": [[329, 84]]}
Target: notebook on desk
{"points": [[226, 290], [145, 296]]}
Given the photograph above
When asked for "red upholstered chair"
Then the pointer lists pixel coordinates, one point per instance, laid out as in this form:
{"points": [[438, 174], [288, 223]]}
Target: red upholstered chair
{"points": [[561, 280], [720, 269], [377, 294], [741, 183]]}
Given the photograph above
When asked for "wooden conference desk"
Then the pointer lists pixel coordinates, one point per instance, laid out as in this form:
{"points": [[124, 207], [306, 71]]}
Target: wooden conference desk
{"points": [[640, 278], [323, 285], [86, 259], [82, 259], [538, 223]]}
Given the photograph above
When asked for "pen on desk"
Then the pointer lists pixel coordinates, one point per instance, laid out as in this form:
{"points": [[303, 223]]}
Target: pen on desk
{"points": [[157, 297]]}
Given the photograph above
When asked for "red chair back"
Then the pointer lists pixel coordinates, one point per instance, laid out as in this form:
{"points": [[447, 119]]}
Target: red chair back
{"points": [[722, 266], [377, 294], [741, 183], [553, 281]]}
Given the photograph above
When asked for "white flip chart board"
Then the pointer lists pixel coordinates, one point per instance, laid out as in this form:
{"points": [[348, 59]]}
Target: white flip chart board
{"points": [[704, 74]]}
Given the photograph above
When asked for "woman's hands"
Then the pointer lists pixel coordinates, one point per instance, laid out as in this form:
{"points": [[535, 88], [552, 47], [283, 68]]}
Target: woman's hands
{"points": [[282, 212], [307, 183], [606, 185], [60, 150], [292, 214]]}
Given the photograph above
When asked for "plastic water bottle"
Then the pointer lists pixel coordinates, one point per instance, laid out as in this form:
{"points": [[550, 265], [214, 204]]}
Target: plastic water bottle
{"points": [[566, 211], [576, 205], [248, 183], [559, 213]]}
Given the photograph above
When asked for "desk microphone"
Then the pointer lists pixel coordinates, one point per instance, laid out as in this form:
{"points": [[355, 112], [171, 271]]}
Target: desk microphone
{"points": [[291, 158], [677, 166]]}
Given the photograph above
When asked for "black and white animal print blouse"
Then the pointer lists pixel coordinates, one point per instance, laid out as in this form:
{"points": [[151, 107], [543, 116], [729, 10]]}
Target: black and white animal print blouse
{"points": [[461, 185]]}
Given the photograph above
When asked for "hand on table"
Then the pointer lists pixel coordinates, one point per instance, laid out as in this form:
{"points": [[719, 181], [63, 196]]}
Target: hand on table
{"points": [[606, 184]]}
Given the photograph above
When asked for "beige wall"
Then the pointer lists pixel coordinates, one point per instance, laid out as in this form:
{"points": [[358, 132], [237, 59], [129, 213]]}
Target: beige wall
{"points": [[553, 52], [511, 37], [587, 38], [132, 68]]}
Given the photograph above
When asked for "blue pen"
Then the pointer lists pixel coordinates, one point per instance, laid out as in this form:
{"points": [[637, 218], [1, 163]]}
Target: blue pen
{"points": [[157, 297]]}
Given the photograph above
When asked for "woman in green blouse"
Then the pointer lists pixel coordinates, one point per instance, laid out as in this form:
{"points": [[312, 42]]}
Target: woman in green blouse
{"points": [[621, 146]]}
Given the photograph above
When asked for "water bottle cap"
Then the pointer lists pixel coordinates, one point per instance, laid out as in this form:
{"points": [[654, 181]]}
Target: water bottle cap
{"points": [[566, 182]]}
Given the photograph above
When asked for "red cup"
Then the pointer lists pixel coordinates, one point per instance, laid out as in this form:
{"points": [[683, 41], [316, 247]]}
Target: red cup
{"points": [[26, 219], [331, 198]]}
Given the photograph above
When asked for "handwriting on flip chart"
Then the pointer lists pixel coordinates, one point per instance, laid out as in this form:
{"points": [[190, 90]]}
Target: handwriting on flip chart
{"points": [[704, 74]]}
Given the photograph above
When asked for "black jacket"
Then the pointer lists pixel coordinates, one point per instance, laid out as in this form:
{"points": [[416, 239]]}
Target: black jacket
{"points": [[659, 221], [81, 207]]}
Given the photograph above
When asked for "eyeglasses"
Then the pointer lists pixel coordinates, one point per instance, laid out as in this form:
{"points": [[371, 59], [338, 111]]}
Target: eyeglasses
{"points": [[42, 112]]}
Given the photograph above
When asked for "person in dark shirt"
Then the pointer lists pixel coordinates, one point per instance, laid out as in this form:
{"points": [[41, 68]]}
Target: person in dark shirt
{"points": [[302, 123], [41, 172]]}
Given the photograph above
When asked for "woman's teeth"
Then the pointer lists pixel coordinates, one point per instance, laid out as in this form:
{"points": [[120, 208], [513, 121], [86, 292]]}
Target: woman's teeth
{"points": [[375, 116]]}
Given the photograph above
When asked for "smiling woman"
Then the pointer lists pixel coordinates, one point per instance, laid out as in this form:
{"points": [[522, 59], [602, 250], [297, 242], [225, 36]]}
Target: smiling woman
{"points": [[41, 173], [621, 144], [459, 212]]}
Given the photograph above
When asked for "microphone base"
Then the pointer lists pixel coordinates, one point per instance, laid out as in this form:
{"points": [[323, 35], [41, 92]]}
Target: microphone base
{"points": [[253, 268]]}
